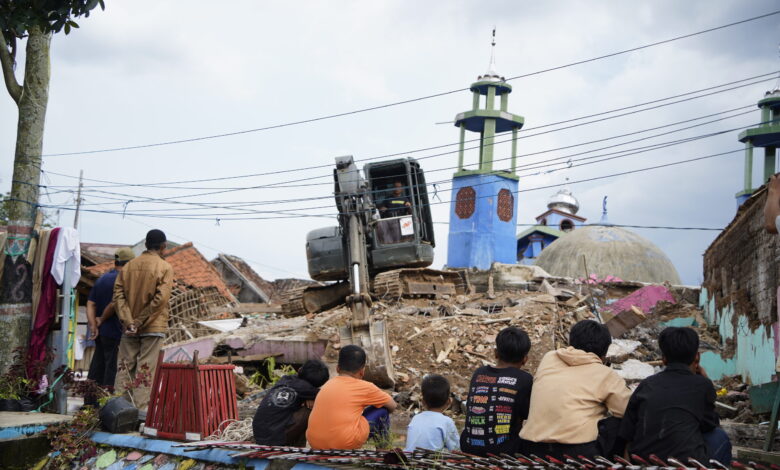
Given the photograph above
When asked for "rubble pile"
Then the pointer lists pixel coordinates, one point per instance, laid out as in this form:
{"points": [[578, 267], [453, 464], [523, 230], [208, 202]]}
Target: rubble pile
{"points": [[454, 335]]}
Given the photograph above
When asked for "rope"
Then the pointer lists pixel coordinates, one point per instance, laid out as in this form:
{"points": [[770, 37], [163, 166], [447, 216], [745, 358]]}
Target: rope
{"points": [[235, 431]]}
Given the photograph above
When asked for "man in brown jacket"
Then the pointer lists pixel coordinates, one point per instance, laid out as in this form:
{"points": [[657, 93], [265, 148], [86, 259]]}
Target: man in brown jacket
{"points": [[572, 392], [141, 294]]}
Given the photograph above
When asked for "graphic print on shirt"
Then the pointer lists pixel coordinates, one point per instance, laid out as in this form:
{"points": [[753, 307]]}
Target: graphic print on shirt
{"points": [[491, 406], [284, 397]]}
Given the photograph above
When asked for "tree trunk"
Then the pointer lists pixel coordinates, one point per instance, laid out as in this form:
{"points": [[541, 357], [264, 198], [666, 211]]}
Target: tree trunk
{"points": [[16, 284]]}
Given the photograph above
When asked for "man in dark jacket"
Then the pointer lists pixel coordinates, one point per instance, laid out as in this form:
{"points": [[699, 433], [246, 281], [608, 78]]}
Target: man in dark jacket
{"points": [[283, 414], [104, 326]]}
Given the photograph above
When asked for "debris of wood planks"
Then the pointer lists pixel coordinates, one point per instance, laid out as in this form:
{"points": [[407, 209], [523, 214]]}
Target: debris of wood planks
{"points": [[624, 321], [495, 320], [248, 308], [236, 358], [451, 343]]}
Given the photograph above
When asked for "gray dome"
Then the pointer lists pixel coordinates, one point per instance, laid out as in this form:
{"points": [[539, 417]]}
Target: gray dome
{"points": [[608, 251]]}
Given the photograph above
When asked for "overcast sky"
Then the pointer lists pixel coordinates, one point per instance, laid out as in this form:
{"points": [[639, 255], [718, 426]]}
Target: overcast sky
{"points": [[145, 71]]}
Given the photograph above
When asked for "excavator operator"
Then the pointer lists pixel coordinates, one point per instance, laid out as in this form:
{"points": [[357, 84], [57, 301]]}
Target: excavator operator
{"points": [[396, 204]]}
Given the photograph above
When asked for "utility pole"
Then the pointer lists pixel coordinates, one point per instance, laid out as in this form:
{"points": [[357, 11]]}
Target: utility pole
{"points": [[78, 199]]}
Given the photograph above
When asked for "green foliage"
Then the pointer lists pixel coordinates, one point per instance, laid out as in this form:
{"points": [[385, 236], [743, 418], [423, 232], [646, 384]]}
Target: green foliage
{"points": [[70, 440], [384, 441], [21, 378], [17, 17], [13, 388], [271, 375]]}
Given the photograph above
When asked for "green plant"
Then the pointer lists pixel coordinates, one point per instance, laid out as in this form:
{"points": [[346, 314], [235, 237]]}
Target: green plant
{"points": [[384, 441], [272, 374], [70, 440], [23, 376]]}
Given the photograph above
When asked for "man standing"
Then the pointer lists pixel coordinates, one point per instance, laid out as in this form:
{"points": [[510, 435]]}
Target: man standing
{"points": [[104, 326], [141, 294]]}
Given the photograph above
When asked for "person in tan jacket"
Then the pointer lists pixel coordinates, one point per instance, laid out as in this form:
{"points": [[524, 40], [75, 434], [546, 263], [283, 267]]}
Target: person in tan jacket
{"points": [[141, 294], [572, 393]]}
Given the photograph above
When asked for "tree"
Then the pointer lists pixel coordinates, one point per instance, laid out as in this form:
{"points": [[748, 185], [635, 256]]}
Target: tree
{"points": [[34, 21]]}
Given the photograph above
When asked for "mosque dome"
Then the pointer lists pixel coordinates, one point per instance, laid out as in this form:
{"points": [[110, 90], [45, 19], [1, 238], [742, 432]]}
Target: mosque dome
{"points": [[564, 201], [608, 251]]}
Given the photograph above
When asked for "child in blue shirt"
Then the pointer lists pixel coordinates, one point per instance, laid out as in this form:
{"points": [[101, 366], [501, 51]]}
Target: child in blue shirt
{"points": [[431, 429]]}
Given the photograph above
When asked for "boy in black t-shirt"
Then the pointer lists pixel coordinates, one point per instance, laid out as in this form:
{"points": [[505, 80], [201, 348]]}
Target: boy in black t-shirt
{"points": [[498, 398], [672, 413], [283, 414]]}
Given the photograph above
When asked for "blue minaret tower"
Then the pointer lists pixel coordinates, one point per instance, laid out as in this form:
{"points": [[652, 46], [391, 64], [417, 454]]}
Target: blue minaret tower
{"points": [[483, 216]]}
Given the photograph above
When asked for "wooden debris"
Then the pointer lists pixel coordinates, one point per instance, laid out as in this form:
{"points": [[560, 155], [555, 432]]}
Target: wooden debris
{"points": [[451, 343]]}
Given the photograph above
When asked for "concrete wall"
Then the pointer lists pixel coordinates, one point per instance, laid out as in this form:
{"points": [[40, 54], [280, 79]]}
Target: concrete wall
{"points": [[740, 290]]}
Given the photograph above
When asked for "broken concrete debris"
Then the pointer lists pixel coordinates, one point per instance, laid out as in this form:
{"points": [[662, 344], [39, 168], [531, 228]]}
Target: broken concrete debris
{"points": [[619, 324], [452, 335]]}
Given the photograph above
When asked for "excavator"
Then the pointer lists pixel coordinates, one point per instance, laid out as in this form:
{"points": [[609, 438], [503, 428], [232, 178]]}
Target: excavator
{"points": [[381, 249]]}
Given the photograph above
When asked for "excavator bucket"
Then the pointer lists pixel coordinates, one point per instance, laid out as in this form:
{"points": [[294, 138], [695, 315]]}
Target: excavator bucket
{"points": [[373, 339]]}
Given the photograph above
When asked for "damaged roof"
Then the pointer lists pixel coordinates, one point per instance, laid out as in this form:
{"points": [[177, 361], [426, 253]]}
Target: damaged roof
{"points": [[251, 279], [190, 268], [97, 253]]}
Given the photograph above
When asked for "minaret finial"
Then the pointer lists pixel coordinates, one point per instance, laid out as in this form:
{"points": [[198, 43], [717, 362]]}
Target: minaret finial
{"points": [[492, 66], [604, 220]]}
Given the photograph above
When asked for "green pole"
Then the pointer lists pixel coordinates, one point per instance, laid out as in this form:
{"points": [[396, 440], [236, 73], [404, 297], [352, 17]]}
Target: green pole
{"points": [[491, 98], [475, 101], [487, 152], [504, 101], [769, 163], [481, 147], [460, 149], [748, 166], [766, 116], [514, 150]]}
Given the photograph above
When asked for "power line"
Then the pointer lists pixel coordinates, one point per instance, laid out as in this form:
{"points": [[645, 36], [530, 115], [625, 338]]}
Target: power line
{"points": [[412, 100], [282, 183], [530, 166], [623, 173], [659, 227]]}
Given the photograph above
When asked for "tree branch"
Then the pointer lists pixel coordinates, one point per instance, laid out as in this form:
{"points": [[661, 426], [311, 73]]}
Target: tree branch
{"points": [[7, 63]]}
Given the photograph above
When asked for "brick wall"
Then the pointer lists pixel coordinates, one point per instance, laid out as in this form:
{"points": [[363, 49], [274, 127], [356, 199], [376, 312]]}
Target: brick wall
{"points": [[741, 265]]}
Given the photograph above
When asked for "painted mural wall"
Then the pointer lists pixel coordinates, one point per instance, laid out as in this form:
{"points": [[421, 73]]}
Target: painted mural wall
{"points": [[739, 295]]}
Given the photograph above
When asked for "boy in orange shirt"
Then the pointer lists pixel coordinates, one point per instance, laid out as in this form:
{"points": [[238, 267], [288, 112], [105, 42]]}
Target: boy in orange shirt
{"points": [[349, 409]]}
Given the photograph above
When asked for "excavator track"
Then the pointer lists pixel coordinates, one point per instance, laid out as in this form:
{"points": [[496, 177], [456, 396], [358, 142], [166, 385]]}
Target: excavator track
{"points": [[417, 282], [313, 299], [292, 302], [395, 284]]}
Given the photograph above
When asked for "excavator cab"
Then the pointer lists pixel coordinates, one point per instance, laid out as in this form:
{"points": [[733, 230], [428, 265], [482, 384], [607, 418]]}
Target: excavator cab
{"points": [[401, 235], [397, 235]]}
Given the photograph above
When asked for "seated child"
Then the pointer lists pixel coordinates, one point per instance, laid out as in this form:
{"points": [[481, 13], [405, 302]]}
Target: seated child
{"points": [[348, 410], [498, 398], [573, 390], [431, 429], [672, 413], [283, 413]]}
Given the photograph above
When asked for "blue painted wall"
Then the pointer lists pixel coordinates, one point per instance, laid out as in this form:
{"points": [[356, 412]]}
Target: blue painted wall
{"points": [[530, 249], [754, 358], [482, 239]]}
